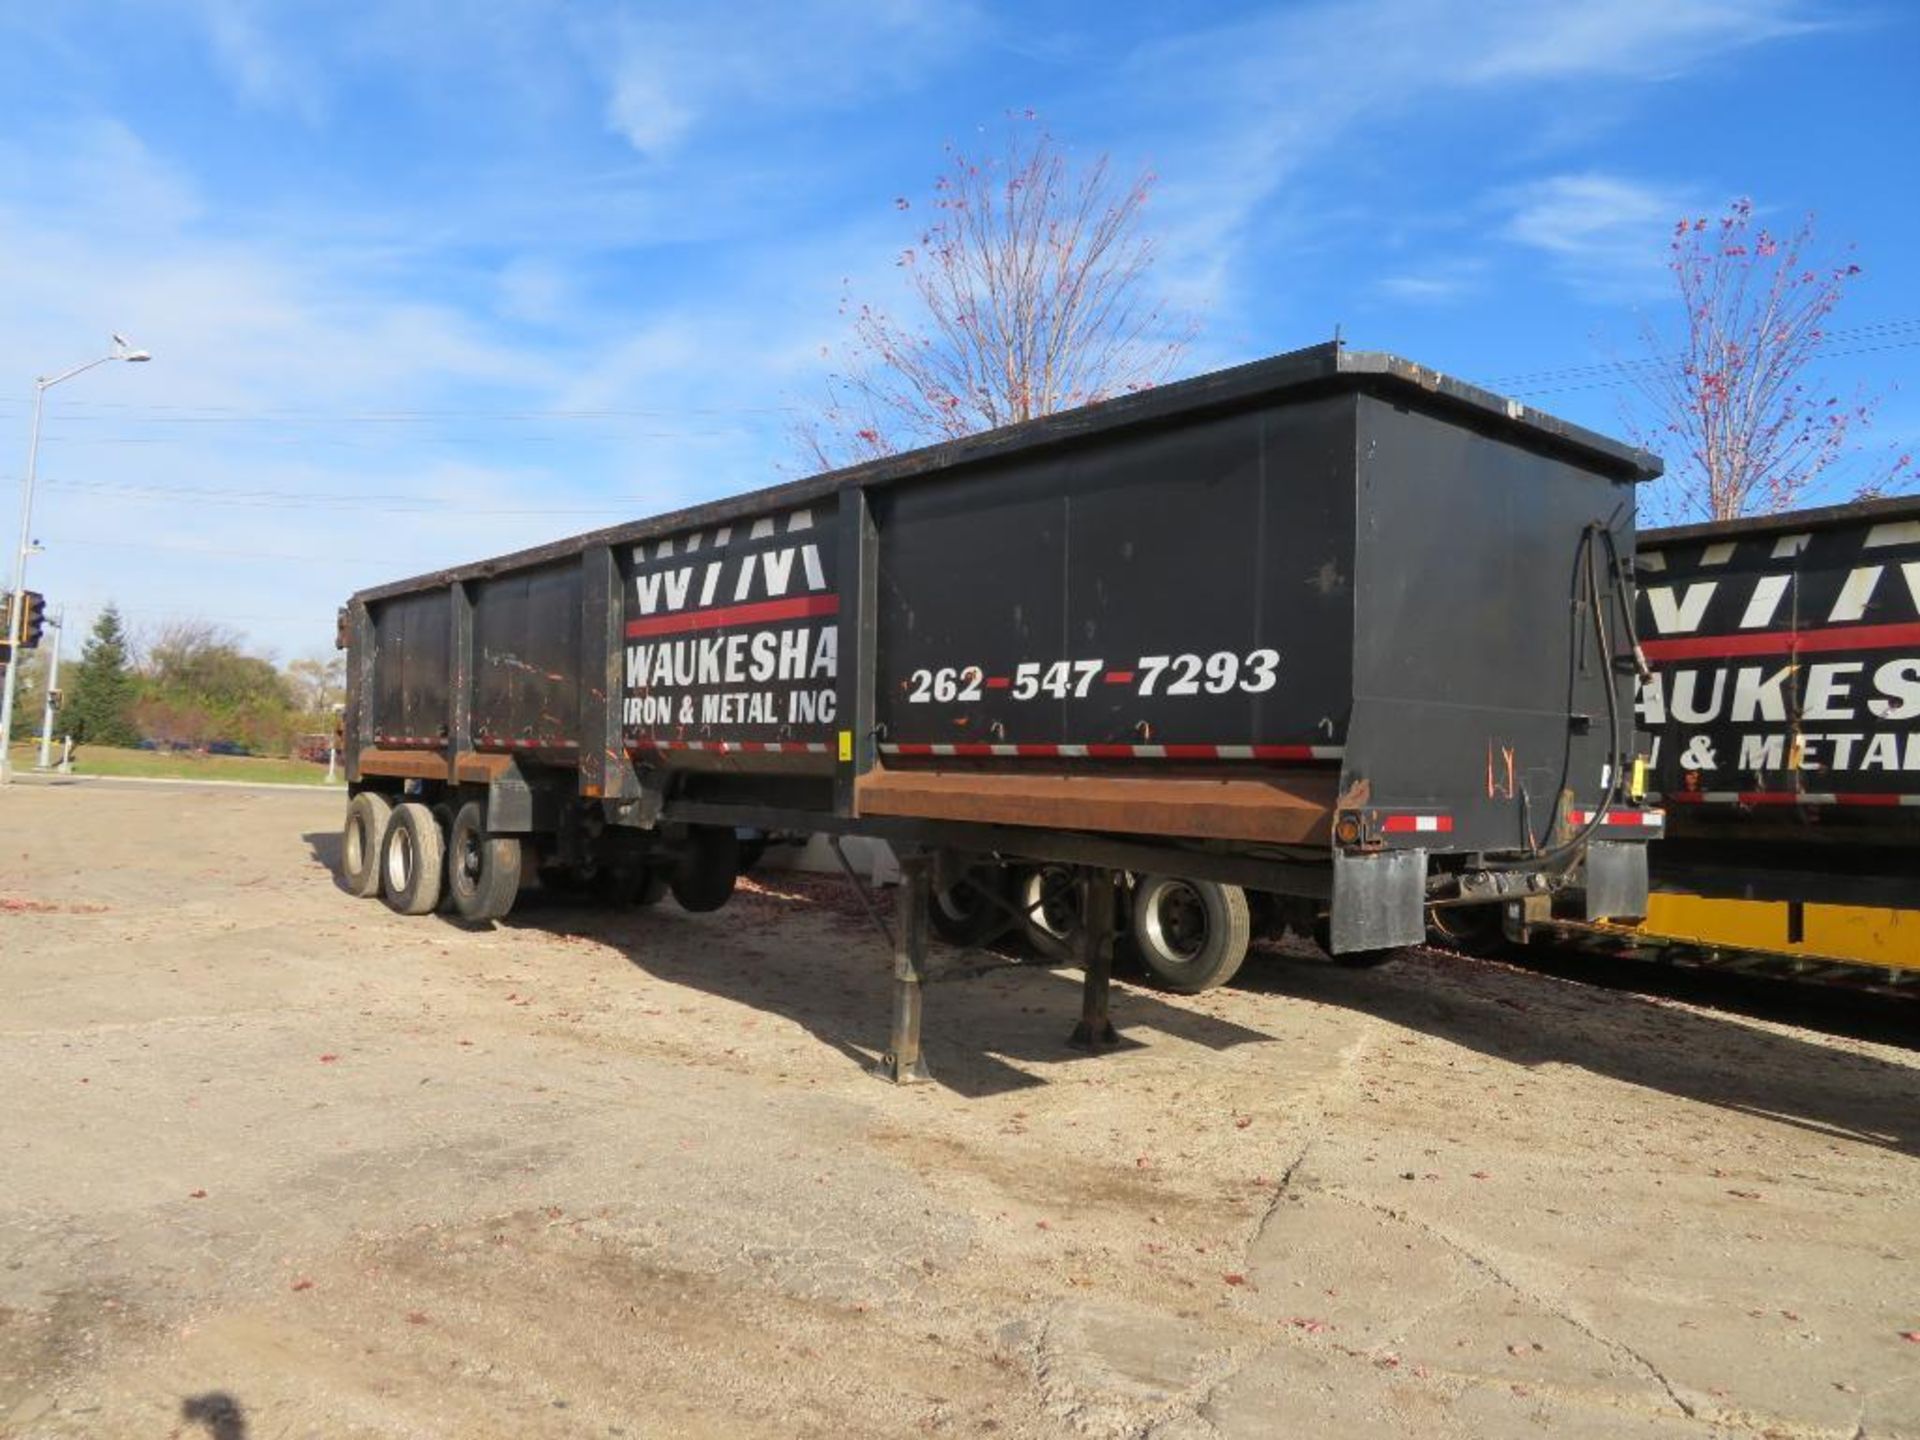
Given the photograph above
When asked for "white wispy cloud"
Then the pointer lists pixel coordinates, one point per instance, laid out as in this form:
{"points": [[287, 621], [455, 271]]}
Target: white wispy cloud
{"points": [[279, 371], [1247, 107], [261, 72], [670, 70], [301, 382], [1443, 282], [1630, 39], [1606, 232]]}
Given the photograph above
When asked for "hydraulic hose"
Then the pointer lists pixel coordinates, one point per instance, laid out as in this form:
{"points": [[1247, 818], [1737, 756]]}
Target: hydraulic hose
{"points": [[1591, 538]]}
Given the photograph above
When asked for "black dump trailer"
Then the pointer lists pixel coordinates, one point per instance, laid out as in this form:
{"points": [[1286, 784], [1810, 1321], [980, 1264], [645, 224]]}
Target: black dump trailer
{"points": [[1331, 630], [1784, 706]]}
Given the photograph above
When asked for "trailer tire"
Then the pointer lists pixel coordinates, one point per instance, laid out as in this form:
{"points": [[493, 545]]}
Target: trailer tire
{"points": [[483, 870], [413, 860], [443, 817], [961, 914], [1192, 935], [1051, 900], [703, 880], [361, 838]]}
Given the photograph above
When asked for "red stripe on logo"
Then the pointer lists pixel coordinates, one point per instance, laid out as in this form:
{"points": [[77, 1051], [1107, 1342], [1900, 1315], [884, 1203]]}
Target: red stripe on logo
{"points": [[998, 682], [757, 613], [1119, 677], [1783, 642]]}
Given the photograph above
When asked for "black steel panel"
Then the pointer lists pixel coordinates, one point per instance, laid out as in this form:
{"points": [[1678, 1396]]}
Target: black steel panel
{"points": [[362, 659], [460, 678], [412, 667], [1475, 652], [526, 640], [1189, 587]]}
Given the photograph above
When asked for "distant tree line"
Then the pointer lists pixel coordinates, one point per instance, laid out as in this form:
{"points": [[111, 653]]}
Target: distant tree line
{"points": [[191, 685]]}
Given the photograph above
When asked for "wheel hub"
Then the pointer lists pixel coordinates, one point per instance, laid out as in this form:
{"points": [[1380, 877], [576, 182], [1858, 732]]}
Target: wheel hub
{"points": [[1181, 921]]}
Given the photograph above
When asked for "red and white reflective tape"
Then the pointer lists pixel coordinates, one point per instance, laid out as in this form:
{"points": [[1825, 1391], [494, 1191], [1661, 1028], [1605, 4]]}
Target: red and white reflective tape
{"points": [[1648, 819], [1118, 752], [1872, 798], [737, 747], [1416, 824]]}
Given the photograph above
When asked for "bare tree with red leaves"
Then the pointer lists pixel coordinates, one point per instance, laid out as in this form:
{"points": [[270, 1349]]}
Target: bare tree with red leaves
{"points": [[1739, 407], [1031, 296]]}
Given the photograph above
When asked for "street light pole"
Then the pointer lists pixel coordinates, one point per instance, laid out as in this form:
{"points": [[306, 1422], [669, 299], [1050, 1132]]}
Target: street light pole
{"points": [[17, 614], [53, 682]]}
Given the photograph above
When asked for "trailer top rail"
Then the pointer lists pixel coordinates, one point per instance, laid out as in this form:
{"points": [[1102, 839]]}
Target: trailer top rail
{"points": [[1328, 367]]}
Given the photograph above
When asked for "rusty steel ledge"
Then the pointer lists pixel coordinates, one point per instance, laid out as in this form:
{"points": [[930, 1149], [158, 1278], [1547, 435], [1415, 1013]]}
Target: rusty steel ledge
{"points": [[1283, 808], [474, 769]]}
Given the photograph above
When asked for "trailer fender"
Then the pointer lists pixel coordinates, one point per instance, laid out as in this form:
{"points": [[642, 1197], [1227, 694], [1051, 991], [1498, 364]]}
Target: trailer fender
{"points": [[1379, 900], [516, 806], [1616, 881]]}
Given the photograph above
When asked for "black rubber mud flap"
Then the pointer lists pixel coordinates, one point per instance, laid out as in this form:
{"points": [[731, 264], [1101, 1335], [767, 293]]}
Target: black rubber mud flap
{"points": [[1616, 881], [1379, 900]]}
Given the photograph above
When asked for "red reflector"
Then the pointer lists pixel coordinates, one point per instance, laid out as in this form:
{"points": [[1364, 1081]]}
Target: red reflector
{"points": [[1411, 824], [1641, 818]]}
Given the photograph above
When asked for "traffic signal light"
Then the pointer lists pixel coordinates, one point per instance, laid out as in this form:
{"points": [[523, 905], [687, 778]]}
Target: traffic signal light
{"points": [[34, 623]]}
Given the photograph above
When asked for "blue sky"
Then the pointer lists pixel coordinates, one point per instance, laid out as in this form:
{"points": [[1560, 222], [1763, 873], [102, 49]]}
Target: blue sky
{"points": [[427, 281]]}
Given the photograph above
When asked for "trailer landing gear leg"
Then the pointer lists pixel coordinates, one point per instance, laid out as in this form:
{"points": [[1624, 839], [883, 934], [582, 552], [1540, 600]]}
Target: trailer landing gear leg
{"points": [[1095, 954], [903, 1063]]}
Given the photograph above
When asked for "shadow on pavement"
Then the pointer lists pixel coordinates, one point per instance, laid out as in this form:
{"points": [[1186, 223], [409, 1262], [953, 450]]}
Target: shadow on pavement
{"points": [[218, 1413], [843, 995], [1025, 1013], [842, 992], [1530, 1019], [324, 847]]}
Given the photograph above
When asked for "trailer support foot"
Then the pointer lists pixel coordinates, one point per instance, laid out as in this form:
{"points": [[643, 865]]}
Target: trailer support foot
{"points": [[903, 1063], [1095, 1031]]}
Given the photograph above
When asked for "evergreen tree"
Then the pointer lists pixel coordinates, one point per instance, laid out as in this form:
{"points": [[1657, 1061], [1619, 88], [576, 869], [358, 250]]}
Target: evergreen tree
{"points": [[99, 707]]}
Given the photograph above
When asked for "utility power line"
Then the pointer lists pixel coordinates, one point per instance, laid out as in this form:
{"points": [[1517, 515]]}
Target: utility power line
{"points": [[1855, 340], [103, 410], [374, 502], [278, 556]]}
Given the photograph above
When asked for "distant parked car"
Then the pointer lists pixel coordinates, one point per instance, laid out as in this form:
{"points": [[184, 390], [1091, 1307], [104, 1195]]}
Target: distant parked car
{"points": [[227, 747]]}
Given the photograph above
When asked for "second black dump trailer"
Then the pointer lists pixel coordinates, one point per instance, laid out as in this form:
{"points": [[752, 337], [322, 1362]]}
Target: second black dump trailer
{"points": [[1782, 717], [1330, 628]]}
